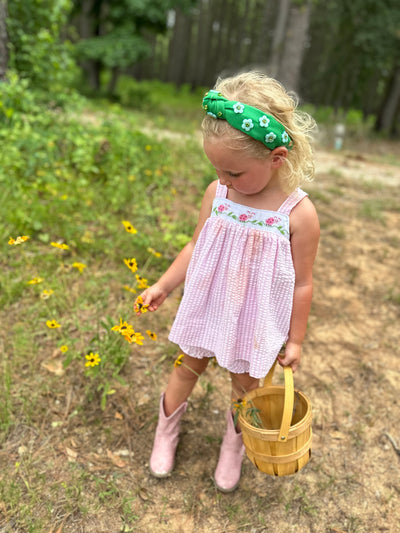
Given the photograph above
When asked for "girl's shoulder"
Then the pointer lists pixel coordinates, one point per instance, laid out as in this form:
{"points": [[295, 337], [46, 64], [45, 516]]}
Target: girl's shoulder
{"points": [[212, 189], [304, 216], [210, 193]]}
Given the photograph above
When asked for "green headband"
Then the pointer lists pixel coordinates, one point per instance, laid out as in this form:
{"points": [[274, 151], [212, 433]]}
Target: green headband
{"points": [[250, 120]]}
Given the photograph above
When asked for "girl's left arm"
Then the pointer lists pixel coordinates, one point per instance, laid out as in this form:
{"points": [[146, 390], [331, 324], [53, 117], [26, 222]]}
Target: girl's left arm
{"points": [[304, 243]]}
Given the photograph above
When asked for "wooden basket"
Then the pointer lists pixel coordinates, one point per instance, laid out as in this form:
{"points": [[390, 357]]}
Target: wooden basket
{"points": [[283, 445]]}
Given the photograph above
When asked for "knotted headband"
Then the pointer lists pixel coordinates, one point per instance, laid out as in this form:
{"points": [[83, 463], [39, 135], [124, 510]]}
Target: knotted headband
{"points": [[250, 120]]}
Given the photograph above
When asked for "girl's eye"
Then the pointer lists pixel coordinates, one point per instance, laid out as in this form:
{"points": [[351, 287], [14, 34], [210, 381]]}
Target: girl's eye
{"points": [[233, 175]]}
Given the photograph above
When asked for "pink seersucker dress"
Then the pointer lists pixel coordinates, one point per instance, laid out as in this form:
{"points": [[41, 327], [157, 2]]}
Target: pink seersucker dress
{"points": [[238, 295]]}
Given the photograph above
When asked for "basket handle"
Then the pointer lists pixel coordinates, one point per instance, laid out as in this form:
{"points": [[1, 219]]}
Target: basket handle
{"points": [[289, 399]]}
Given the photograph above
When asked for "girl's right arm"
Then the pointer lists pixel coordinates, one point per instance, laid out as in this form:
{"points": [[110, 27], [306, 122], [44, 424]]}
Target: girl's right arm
{"points": [[155, 295]]}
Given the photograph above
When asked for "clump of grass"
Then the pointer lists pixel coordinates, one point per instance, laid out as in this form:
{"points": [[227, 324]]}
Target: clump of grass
{"points": [[373, 210]]}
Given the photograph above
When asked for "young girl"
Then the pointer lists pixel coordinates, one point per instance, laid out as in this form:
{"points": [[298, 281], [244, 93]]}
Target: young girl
{"points": [[248, 268]]}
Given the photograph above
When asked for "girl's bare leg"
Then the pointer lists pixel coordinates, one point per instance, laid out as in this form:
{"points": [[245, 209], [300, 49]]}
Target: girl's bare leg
{"points": [[242, 383], [182, 381]]}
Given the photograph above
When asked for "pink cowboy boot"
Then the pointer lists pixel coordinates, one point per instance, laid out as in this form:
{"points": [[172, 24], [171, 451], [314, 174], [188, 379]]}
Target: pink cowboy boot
{"points": [[227, 473], [165, 441]]}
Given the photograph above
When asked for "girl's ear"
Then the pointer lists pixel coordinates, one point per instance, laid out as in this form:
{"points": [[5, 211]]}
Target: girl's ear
{"points": [[278, 156]]}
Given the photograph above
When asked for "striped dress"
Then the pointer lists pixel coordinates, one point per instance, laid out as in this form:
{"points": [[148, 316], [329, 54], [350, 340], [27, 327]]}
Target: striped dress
{"points": [[238, 294]]}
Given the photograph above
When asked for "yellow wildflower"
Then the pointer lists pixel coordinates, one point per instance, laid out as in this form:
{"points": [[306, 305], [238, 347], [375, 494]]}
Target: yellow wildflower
{"points": [[128, 226], [93, 359], [127, 288], [240, 404], [60, 246], [141, 282], [52, 324], [64, 348], [79, 266], [87, 237], [152, 251], [18, 240], [139, 306], [151, 334], [148, 172], [178, 360], [46, 294], [135, 337], [148, 147], [123, 327], [35, 281], [131, 264]]}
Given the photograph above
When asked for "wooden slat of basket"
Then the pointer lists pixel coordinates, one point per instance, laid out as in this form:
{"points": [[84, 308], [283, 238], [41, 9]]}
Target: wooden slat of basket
{"points": [[284, 458]]}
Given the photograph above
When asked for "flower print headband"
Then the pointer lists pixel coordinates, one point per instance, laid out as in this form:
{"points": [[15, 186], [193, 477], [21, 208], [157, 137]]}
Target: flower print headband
{"points": [[250, 120]]}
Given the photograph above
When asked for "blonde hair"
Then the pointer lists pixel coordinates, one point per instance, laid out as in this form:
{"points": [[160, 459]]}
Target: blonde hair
{"points": [[267, 94]]}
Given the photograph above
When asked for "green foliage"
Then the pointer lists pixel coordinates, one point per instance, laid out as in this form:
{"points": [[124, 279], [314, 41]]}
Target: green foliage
{"points": [[37, 50], [71, 178], [120, 48], [164, 100], [120, 31], [353, 53], [16, 98]]}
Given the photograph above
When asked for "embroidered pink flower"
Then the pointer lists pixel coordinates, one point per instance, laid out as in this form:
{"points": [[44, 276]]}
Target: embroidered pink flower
{"points": [[270, 221], [243, 217], [222, 208]]}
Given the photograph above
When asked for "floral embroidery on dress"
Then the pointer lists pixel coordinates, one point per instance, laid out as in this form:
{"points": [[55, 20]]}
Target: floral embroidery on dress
{"points": [[236, 212]]}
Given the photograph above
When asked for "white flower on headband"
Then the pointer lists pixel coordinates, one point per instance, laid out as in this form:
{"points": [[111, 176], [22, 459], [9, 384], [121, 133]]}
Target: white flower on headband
{"points": [[212, 114], [270, 137], [285, 137], [238, 107], [247, 124], [264, 121]]}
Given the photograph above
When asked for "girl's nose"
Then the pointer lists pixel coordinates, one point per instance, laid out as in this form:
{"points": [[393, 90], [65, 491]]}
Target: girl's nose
{"points": [[224, 181]]}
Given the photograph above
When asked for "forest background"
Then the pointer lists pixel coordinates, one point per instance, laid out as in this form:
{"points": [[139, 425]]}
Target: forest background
{"points": [[338, 53], [101, 175]]}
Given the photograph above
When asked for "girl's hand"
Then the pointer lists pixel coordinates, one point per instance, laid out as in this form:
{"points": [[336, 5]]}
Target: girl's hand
{"points": [[154, 296], [292, 355]]}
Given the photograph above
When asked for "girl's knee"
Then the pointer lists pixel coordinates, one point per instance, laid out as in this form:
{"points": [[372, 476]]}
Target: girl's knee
{"points": [[191, 368], [243, 383]]}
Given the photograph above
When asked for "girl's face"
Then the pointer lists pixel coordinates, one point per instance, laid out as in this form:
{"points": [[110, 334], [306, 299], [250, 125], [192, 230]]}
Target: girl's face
{"points": [[246, 175]]}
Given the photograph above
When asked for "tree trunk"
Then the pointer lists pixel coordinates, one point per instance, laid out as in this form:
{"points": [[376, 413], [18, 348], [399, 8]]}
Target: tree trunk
{"points": [[178, 49], [115, 72], [389, 113], [88, 27], [265, 14], [294, 45], [200, 62], [279, 37], [3, 40]]}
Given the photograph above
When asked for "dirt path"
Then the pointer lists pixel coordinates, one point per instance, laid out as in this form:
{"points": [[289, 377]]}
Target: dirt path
{"points": [[349, 370]]}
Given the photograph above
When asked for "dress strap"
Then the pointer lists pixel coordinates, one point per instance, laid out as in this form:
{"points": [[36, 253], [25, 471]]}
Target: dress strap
{"points": [[291, 201], [222, 191]]}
